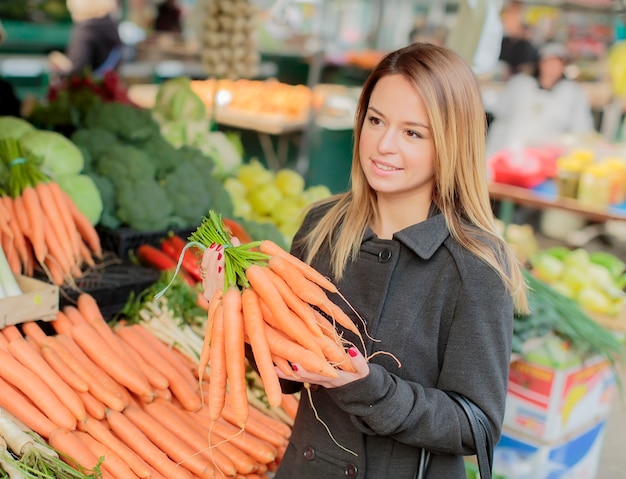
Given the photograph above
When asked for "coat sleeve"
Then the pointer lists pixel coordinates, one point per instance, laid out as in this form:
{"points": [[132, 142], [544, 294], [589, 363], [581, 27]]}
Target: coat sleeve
{"points": [[475, 363]]}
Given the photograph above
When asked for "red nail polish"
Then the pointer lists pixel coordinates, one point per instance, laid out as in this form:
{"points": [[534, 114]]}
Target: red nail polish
{"points": [[219, 269], [294, 367], [219, 256], [212, 246], [352, 352], [219, 247]]}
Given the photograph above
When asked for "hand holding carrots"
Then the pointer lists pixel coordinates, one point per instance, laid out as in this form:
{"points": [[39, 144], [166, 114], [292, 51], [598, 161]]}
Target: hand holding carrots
{"points": [[357, 360]]}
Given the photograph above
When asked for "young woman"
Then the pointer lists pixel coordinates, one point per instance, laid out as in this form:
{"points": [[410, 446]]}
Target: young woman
{"points": [[413, 247]]}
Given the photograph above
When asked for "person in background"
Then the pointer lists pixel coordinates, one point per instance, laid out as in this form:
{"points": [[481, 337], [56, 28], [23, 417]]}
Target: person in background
{"points": [[414, 249], [168, 17], [94, 42], [517, 53], [534, 108]]}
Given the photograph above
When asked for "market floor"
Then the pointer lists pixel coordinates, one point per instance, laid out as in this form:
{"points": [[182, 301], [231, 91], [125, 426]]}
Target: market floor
{"points": [[613, 457]]}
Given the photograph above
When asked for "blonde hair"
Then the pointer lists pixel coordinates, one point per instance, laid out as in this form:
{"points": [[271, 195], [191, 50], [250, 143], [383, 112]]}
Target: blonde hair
{"points": [[454, 106], [82, 10]]}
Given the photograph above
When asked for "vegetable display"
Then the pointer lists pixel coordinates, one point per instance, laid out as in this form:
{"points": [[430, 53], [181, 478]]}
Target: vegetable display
{"points": [[116, 400]]}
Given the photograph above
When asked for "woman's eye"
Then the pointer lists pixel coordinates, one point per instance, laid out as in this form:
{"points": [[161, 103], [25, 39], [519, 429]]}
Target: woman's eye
{"points": [[374, 120], [413, 134]]}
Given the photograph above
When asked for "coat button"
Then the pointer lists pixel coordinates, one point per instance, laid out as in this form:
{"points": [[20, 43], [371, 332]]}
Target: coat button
{"points": [[384, 256], [309, 453], [350, 470]]}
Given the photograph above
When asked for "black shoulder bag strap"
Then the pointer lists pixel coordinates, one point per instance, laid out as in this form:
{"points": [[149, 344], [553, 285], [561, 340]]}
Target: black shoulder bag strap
{"points": [[481, 431], [483, 439]]}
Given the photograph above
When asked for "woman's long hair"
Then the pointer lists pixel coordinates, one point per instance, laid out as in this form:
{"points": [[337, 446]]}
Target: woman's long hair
{"points": [[455, 110]]}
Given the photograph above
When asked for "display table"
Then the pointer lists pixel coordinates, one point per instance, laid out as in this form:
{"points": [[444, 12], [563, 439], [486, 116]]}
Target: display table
{"points": [[544, 196]]}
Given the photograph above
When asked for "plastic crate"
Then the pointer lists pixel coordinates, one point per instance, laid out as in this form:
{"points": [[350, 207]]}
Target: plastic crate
{"points": [[122, 240], [111, 286]]}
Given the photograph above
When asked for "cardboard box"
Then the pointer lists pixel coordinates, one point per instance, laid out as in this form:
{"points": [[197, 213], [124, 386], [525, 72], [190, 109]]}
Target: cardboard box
{"points": [[548, 403], [577, 456], [38, 301]]}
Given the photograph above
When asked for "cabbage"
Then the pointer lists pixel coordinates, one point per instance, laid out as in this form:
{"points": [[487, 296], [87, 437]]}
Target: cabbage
{"points": [[223, 150], [13, 127], [58, 154], [176, 100], [85, 194]]}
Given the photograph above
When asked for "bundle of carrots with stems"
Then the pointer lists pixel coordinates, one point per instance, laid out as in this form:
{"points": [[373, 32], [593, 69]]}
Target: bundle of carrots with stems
{"points": [[94, 391], [40, 225], [278, 305]]}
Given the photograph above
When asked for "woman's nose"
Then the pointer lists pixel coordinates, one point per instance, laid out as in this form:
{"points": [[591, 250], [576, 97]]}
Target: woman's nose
{"points": [[387, 142]]}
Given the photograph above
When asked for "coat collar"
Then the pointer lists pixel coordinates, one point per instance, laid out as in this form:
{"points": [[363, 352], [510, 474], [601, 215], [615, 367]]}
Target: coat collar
{"points": [[422, 238]]}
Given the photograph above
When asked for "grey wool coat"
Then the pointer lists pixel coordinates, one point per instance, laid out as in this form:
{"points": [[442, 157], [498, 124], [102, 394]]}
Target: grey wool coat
{"points": [[446, 316]]}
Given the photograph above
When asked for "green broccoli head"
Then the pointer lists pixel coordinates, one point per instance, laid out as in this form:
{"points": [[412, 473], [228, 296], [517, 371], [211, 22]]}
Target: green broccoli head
{"points": [[95, 141], [124, 162], [202, 163], [143, 204], [161, 154], [127, 122], [187, 191]]}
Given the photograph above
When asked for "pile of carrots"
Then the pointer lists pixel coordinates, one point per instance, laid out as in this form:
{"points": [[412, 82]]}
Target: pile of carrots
{"points": [[273, 301], [94, 391], [40, 225]]}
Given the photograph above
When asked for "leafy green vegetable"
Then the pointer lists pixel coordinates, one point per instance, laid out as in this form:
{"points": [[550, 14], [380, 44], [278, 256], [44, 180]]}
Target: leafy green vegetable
{"points": [[14, 127], [143, 204], [105, 186], [188, 193], [161, 154], [176, 100], [124, 162], [127, 122], [85, 194], [96, 141], [59, 155], [224, 152]]}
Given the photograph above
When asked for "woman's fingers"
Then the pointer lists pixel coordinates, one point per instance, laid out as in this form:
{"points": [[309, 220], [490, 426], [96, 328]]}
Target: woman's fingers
{"points": [[302, 375], [212, 269]]}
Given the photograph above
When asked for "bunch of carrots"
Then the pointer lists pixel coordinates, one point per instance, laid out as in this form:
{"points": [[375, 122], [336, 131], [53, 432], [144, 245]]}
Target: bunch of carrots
{"points": [[93, 391], [40, 225], [274, 302]]}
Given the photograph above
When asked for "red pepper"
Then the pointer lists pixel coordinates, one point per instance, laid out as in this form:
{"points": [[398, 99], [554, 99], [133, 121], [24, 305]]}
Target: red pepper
{"points": [[174, 246], [235, 229], [151, 256]]}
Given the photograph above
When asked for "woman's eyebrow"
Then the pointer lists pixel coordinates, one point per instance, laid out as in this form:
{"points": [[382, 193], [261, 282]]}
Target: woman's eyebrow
{"points": [[408, 123]]}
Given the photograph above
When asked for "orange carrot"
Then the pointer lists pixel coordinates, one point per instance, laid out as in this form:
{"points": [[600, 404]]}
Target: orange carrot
{"points": [[62, 324], [272, 249], [294, 353], [203, 361], [283, 365], [116, 443], [34, 212], [290, 405], [217, 363], [15, 402], [74, 316], [234, 346], [11, 253], [242, 461], [253, 321], [19, 240], [56, 362], [112, 463], [165, 413], [11, 332], [175, 448], [5, 217], [60, 198], [89, 341], [181, 386], [33, 330], [271, 423], [56, 252], [55, 220], [31, 358], [297, 305], [72, 450], [94, 407], [289, 323], [100, 383], [36, 390], [87, 231], [169, 353]]}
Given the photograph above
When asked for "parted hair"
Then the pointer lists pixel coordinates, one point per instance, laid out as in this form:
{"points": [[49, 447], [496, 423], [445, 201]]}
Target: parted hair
{"points": [[451, 96]]}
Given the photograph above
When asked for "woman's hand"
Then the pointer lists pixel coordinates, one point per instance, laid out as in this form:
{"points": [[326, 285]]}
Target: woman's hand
{"points": [[212, 268], [356, 358]]}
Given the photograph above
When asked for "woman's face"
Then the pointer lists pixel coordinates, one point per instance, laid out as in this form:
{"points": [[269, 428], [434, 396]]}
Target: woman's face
{"points": [[396, 148]]}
